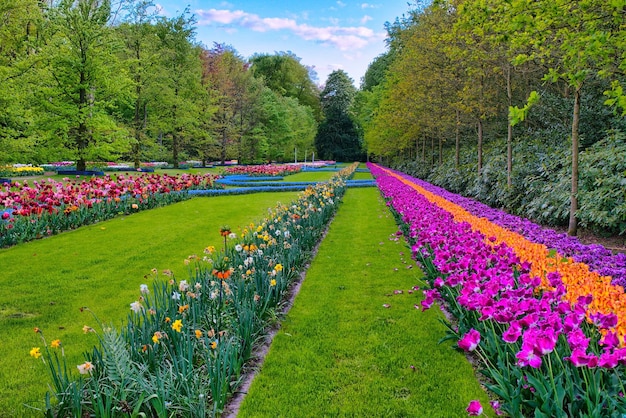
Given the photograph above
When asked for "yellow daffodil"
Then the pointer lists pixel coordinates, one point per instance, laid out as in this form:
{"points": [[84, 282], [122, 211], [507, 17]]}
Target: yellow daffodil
{"points": [[35, 352], [177, 325], [55, 343]]}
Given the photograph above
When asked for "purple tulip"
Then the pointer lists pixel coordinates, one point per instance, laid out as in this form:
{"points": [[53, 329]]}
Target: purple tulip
{"points": [[474, 408], [470, 341]]}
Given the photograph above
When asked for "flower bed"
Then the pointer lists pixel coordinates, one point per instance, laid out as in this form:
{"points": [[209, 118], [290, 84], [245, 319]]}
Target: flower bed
{"points": [[273, 170], [48, 207], [20, 170], [548, 331], [186, 341]]}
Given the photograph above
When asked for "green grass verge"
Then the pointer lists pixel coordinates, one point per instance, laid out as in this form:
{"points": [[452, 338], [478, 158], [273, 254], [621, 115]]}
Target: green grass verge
{"points": [[310, 176], [341, 352], [100, 266]]}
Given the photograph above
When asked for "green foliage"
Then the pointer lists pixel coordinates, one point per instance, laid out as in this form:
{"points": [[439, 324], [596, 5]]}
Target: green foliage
{"points": [[541, 181], [338, 137], [285, 75], [81, 70], [603, 185]]}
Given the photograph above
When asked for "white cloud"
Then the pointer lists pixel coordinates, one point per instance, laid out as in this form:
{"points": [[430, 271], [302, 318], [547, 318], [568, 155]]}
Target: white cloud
{"points": [[366, 19], [343, 38], [369, 6], [341, 4]]}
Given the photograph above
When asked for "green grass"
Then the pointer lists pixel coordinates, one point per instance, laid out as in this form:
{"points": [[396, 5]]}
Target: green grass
{"points": [[100, 266], [362, 176], [310, 176], [340, 352]]}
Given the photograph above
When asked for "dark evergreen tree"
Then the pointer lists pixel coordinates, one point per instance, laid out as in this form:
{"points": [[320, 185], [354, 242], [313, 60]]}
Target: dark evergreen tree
{"points": [[338, 137]]}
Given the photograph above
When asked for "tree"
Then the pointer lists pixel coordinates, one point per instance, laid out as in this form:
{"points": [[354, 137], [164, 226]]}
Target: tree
{"points": [[179, 81], [227, 79], [572, 39], [84, 76], [285, 75], [21, 20], [140, 57], [338, 137]]}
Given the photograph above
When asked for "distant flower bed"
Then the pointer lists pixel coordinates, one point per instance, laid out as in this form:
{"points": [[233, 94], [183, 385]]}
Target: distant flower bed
{"points": [[549, 330], [187, 341], [274, 170], [48, 207], [19, 170]]}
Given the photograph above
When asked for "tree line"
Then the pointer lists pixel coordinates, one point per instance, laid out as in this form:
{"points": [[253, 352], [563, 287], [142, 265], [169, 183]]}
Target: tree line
{"points": [[100, 80], [518, 103]]}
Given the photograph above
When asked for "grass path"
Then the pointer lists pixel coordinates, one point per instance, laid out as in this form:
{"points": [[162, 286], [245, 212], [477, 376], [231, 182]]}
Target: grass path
{"points": [[342, 352], [101, 266]]}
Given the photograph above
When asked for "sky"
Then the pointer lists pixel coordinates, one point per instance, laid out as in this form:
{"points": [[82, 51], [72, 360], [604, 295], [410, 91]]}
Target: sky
{"points": [[325, 34]]}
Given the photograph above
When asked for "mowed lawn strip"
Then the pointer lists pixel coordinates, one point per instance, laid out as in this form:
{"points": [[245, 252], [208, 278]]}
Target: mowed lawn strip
{"points": [[351, 346], [100, 266]]}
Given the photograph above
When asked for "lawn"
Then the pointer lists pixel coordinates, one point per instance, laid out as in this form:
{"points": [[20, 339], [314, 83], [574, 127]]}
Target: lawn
{"points": [[99, 266], [353, 345]]}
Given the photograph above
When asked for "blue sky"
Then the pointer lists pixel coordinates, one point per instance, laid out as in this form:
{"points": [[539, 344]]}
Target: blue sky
{"points": [[326, 34]]}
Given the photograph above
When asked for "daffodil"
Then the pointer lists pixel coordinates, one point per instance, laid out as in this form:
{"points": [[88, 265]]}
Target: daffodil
{"points": [[85, 368], [177, 325], [35, 352], [55, 343]]}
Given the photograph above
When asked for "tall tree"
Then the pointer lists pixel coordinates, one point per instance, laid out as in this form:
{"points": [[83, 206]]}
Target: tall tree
{"points": [[85, 76], [338, 136], [20, 22], [284, 74], [179, 81], [140, 57], [228, 79], [572, 39]]}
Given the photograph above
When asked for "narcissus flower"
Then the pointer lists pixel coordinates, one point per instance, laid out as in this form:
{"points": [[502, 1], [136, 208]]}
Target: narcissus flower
{"points": [[177, 325], [278, 267], [35, 352], [85, 368], [55, 343], [214, 345], [136, 306], [198, 334], [273, 282]]}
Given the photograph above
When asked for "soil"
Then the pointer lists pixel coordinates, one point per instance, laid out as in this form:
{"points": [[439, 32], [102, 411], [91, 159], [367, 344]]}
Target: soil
{"points": [[616, 243]]}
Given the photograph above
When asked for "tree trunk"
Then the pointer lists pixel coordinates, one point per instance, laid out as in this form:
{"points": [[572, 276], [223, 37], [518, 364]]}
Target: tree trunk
{"points": [[417, 149], [480, 145], [138, 122], [223, 150], [432, 150], [509, 137], [457, 139], [82, 132], [573, 224]]}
